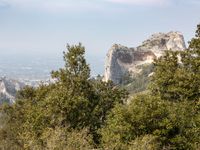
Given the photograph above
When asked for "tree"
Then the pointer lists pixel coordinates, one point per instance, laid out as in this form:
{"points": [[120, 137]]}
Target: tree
{"points": [[85, 102], [177, 74], [164, 81], [73, 101], [169, 115], [148, 118]]}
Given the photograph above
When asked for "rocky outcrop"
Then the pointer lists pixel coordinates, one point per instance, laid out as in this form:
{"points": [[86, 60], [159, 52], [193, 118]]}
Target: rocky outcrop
{"points": [[10, 87], [8, 90], [121, 60]]}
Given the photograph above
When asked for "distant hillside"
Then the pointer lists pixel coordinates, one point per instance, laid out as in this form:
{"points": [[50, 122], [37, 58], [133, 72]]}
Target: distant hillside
{"points": [[139, 82], [8, 89]]}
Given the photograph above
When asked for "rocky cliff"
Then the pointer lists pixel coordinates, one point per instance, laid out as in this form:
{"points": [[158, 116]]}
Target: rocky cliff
{"points": [[121, 60], [8, 89]]}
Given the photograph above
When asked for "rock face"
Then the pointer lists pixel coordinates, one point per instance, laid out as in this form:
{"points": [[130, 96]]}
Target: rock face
{"points": [[8, 89], [121, 60]]}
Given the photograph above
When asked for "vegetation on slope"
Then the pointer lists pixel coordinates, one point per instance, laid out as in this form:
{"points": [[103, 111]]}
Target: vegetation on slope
{"points": [[139, 82], [77, 113], [74, 103]]}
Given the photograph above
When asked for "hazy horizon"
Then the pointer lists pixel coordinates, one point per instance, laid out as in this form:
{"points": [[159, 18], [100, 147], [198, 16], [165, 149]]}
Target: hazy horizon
{"points": [[41, 29]]}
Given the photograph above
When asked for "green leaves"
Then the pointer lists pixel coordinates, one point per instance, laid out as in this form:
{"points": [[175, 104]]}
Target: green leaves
{"points": [[166, 118], [177, 75], [77, 112], [169, 123], [71, 104]]}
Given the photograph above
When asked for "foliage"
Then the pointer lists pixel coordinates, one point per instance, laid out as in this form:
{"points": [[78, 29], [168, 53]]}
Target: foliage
{"points": [[74, 101], [139, 82], [169, 112], [177, 74], [174, 124], [77, 112], [65, 139], [147, 142]]}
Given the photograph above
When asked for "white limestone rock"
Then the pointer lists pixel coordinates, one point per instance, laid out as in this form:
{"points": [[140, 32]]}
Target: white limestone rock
{"points": [[121, 59], [8, 89]]}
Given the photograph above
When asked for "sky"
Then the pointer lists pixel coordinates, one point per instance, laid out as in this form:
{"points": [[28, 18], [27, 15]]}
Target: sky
{"points": [[44, 27]]}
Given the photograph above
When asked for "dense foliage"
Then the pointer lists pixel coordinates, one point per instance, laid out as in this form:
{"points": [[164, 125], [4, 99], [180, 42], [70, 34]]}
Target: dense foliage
{"points": [[168, 116], [171, 125], [76, 112], [75, 104], [177, 74]]}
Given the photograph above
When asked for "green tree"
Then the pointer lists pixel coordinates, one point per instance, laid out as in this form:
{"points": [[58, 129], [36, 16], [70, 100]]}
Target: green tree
{"points": [[85, 102], [170, 124], [169, 115], [73, 100], [164, 81], [177, 74]]}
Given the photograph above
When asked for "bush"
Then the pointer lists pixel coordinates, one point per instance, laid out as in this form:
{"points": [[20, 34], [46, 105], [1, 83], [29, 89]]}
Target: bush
{"points": [[174, 124]]}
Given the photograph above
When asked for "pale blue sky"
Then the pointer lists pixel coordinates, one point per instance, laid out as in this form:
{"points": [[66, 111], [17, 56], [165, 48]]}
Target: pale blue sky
{"points": [[45, 26]]}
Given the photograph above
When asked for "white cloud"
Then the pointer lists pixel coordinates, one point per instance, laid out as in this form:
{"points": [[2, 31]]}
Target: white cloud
{"points": [[52, 5], [140, 2], [195, 1], [57, 6], [3, 4]]}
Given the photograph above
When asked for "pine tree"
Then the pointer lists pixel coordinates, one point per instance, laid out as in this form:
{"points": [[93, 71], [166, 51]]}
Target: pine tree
{"points": [[163, 80], [177, 74]]}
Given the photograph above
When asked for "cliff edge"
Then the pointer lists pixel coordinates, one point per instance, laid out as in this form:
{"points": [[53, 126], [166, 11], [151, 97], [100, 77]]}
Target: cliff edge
{"points": [[121, 59]]}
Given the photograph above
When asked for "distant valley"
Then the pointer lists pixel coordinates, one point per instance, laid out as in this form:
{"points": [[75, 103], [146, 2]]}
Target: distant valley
{"points": [[28, 66], [128, 67]]}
